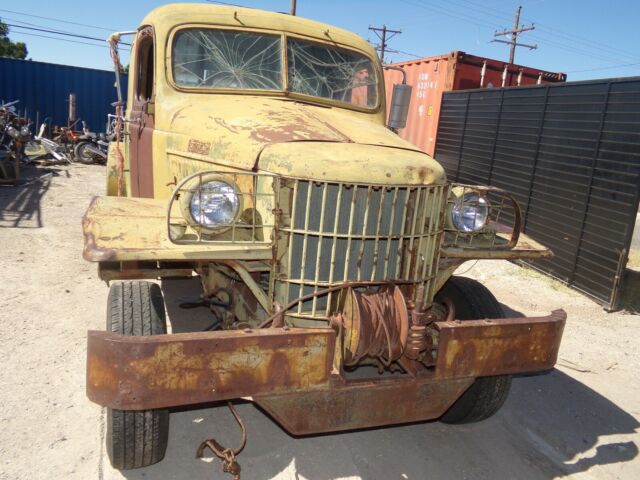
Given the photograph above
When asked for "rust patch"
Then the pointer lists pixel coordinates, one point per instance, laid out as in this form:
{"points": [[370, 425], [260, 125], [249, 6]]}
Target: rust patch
{"points": [[91, 252], [502, 346], [287, 128], [199, 147], [362, 404], [181, 369]]}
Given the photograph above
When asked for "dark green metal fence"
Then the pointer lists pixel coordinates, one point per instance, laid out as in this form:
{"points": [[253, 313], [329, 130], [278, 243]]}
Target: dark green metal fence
{"points": [[571, 155]]}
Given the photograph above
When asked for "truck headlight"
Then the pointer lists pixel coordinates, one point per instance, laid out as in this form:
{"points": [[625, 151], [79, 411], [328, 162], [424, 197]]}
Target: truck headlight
{"points": [[214, 204], [470, 212]]}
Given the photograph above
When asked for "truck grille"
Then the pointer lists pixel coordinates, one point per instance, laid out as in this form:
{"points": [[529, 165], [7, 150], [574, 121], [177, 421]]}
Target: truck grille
{"points": [[336, 232]]}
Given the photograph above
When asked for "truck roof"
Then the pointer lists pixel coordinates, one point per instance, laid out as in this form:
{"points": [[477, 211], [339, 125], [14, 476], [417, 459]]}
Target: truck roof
{"points": [[166, 17]]}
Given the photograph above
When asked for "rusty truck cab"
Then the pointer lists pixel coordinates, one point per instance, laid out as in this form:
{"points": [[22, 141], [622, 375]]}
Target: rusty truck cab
{"points": [[257, 158]]}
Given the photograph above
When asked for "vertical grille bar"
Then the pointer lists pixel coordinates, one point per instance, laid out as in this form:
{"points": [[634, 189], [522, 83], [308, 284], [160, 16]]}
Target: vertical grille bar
{"points": [[410, 259], [403, 232], [378, 232], [394, 205], [290, 259], [364, 233], [305, 242], [352, 211], [332, 267], [323, 208], [428, 267], [422, 214]]}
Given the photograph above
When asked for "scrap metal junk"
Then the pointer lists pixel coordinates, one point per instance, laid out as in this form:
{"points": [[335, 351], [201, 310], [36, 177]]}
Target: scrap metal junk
{"points": [[431, 76], [14, 133]]}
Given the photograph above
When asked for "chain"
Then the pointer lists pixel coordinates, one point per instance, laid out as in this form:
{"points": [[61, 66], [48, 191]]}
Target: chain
{"points": [[227, 455]]}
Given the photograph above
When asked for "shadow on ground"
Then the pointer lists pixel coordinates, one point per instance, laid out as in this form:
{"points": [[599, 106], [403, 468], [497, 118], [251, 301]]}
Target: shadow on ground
{"points": [[20, 204], [629, 296], [552, 425]]}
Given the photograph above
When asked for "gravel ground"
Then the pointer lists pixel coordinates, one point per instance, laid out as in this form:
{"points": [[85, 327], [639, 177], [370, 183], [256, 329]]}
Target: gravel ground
{"points": [[579, 421]]}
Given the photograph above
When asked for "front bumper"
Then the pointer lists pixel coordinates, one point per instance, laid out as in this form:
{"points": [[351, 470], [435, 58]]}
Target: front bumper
{"points": [[291, 372]]}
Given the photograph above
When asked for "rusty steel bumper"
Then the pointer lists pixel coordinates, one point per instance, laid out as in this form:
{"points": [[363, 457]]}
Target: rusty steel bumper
{"points": [[291, 373]]}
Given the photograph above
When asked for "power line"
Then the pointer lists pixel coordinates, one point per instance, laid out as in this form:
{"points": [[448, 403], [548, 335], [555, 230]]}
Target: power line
{"points": [[67, 40], [226, 3], [57, 32], [381, 33], [59, 20], [576, 50], [605, 68], [448, 13], [554, 31], [484, 23], [406, 53], [4, 19]]}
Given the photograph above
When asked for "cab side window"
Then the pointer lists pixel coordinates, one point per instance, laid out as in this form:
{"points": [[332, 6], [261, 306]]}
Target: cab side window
{"points": [[144, 73]]}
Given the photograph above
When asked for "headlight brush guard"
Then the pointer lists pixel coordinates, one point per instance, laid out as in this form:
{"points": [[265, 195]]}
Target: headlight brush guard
{"points": [[504, 223], [257, 199]]}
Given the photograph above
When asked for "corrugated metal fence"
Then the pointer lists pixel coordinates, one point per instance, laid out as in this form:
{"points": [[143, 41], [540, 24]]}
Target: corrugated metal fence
{"points": [[43, 90], [571, 155]]}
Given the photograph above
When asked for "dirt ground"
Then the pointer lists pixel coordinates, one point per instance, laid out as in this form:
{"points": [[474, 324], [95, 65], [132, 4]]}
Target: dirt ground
{"points": [[578, 421]]}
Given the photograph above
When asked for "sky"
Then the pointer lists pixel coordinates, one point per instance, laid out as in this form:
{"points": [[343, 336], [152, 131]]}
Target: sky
{"points": [[586, 39]]}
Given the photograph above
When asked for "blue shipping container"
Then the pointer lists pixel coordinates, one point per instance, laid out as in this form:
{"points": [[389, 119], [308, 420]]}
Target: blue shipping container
{"points": [[43, 90]]}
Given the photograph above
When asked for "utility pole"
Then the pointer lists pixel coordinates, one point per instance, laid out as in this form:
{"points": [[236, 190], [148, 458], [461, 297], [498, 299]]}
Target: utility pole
{"points": [[517, 30], [293, 8], [383, 38]]}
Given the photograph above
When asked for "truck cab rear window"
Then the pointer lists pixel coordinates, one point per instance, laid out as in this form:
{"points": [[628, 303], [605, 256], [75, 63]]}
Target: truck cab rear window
{"points": [[227, 59]]}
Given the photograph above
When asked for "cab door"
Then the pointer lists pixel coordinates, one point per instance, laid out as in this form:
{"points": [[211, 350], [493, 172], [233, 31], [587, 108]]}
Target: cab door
{"points": [[142, 115]]}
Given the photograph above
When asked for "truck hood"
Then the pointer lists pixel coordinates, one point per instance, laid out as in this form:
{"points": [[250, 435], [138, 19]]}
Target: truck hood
{"points": [[295, 139], [351, 162]]}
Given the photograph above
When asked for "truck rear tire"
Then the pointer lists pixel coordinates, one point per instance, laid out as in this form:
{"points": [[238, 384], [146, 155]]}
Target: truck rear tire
{"points": [[486, 395], [136, 438]]}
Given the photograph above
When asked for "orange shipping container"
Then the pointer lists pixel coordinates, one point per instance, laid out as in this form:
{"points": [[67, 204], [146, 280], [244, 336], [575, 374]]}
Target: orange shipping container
{"points": [[432, 76]]}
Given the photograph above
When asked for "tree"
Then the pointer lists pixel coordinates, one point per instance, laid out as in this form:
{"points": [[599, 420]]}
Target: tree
{"points": [[8, 48]]}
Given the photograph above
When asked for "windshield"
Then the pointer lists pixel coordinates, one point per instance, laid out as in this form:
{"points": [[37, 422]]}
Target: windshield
{"points": [[227, 59], [329, 72], [209, 58]]}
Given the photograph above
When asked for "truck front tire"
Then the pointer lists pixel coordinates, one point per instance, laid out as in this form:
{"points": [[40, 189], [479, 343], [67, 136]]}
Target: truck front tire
{"points": [[473, 301], [136, 438]]}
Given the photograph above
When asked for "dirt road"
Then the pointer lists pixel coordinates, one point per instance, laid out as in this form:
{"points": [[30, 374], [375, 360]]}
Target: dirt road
{"points": [[578, 421]]}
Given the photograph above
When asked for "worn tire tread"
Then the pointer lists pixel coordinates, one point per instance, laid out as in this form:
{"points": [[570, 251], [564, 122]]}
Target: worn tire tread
{"points": [[136, 438], [487, 394]]}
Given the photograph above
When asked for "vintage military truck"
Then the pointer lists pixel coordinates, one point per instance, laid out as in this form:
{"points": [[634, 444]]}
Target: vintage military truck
{"points": [[257, 159]]}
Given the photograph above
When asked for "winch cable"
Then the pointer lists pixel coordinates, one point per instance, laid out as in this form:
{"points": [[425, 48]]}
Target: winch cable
{"points": [[319, 293], [383, 339], [226, 455]]}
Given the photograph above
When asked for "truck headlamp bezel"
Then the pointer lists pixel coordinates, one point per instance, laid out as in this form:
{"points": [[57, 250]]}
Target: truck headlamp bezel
{"points": [[470, 212], [209, 190]]}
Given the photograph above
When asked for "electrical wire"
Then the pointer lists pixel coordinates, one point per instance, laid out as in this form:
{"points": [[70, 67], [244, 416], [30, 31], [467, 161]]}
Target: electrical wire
{"points": [[448, 13], [544, 41], [66, 40], [57, 32], [501, 15], [605, 68], [227, 4], [59, 20]]}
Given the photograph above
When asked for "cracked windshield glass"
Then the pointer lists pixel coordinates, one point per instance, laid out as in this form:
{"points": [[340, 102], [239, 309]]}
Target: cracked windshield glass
{"points": [[225, 59], [332, 73]]}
